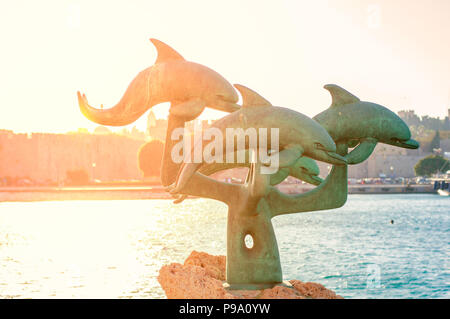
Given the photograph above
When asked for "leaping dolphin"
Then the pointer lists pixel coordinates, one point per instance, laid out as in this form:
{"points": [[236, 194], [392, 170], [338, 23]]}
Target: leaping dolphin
{"points": [[298, 134], [187, 85], [352, 121], [304, 169]]}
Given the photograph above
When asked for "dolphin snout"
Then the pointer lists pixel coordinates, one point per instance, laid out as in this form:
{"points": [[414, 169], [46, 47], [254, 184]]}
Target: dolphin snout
{"points": [[227, 102], [328, 154], [224, 105], [336, 158], [328, 157], [410, 144], [312, 179]]}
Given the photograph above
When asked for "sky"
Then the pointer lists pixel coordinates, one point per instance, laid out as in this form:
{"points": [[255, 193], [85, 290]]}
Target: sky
{"points": [[392, 52]]}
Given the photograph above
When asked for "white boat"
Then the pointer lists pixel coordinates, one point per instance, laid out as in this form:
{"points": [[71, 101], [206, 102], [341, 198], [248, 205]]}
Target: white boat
{"points": [[442, 187]]}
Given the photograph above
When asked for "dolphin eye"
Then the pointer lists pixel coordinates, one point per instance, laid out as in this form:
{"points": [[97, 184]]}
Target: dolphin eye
{"points": [[319, 146]]}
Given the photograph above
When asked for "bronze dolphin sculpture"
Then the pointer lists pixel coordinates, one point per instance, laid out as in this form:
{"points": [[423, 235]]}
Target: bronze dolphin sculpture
{"points": [[352, 121], [189, 86], [298, 134], [304, 169]]}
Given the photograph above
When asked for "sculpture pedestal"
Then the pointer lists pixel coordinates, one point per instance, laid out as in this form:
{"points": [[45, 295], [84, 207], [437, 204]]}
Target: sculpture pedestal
{"points": [[202, 276]]}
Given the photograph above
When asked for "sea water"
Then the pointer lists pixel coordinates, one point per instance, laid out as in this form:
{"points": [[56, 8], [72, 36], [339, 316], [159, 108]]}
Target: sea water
{"points": [[376, 246]]}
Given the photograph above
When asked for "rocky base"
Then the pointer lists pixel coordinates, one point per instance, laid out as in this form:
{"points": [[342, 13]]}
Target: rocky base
{"points": [[202, 277]]}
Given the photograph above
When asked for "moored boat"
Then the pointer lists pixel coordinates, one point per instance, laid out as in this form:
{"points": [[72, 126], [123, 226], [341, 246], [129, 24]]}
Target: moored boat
{"points": [[442, 187]]}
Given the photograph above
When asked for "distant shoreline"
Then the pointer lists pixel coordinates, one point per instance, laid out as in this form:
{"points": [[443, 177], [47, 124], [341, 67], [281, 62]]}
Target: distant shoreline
{"points": [[27, 194], [368, 189]]}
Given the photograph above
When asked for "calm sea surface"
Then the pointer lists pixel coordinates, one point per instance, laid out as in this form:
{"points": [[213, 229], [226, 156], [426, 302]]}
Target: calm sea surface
{"points": [[114, 249]]}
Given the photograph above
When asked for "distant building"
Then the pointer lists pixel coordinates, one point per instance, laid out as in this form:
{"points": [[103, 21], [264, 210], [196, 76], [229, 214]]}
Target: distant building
{"points": [[431, 123], [445, 145], [102, 130], [151, 123], [409, 117], [46, 158], [156, 128]]}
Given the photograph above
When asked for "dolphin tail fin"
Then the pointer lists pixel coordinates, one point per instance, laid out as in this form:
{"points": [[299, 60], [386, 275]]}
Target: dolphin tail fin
{"points": [[184, 175]]}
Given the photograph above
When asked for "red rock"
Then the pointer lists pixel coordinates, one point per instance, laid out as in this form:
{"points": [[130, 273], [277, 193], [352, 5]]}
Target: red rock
{"points": [[314, 290], [202, 277], [215, 266]]}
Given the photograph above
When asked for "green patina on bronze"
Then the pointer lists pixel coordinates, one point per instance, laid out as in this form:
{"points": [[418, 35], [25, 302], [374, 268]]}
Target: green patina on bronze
{"points": [[304, 169], [298, 134], [347, 123], [251, 206], [352, 121]]}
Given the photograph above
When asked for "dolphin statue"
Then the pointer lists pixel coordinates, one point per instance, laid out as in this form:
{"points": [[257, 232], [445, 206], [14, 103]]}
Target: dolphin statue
{"points": [[350, 120], [189, 86], [298, 134], [304, 169]]}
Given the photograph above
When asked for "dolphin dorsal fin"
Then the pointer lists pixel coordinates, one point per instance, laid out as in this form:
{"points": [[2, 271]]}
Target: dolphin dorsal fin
{"points": [[250, 98], [165, 52], [340, 96]]}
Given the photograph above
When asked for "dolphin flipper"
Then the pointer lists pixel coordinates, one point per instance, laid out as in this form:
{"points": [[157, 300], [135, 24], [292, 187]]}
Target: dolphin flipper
{"points": [[290, 155], [187, 170], [362, 151], [279, 176], [180, 199]]}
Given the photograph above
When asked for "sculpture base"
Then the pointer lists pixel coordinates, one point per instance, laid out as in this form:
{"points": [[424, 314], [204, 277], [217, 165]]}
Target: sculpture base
{"points": [[202, 276], [228, 286]]}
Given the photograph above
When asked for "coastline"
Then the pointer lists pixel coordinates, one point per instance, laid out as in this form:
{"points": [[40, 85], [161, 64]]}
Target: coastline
{"points": [[25, 194], [367, 189]]}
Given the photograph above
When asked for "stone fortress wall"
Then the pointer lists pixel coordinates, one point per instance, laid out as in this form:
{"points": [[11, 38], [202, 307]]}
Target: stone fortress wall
{"points": [[44, 157]]}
